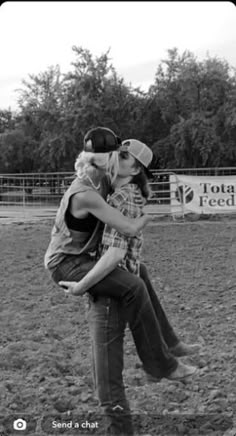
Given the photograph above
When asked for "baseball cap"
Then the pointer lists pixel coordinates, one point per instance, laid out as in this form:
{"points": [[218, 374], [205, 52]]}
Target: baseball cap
{"points": [[139, 151], [101, 140]]}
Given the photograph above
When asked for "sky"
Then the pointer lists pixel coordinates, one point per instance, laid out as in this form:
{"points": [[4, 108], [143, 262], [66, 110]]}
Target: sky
{"points": [[36, 35]]}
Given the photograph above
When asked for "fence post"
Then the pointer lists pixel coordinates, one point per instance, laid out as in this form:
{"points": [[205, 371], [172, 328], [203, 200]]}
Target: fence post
{"points": [[23, 197]]}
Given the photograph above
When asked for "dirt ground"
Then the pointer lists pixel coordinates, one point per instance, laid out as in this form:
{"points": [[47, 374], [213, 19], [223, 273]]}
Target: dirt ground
{"points": [[45, 359]]}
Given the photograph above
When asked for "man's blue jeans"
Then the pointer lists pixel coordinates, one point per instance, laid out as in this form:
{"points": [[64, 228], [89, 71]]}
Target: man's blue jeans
{"points": [[136, 303], [107, 328]]}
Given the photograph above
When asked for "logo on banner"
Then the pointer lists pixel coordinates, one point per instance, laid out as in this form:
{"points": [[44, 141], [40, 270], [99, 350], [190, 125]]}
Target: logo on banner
{"points": [[184, 194]]}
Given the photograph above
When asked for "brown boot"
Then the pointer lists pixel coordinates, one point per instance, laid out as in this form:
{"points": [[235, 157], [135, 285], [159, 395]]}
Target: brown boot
{"points": [[182, 349], [182, 371]]}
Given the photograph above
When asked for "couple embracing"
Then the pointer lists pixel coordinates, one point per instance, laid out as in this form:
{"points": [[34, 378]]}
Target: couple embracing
{"points": [[95, 248]]}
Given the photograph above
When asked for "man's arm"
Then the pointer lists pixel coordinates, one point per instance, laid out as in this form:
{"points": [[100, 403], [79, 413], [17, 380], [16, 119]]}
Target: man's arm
{"points": [[110, 259], [92, 202]]}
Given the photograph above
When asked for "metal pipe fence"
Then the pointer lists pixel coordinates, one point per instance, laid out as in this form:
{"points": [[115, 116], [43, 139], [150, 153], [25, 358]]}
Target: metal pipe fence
{"points": [[33, 189], [46, 189]]}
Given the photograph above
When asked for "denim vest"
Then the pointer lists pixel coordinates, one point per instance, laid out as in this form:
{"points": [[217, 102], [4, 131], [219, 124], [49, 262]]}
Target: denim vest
{"points": [[65, 241]]}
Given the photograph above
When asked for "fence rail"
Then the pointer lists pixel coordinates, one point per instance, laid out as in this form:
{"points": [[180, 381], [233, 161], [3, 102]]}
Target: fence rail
{"points": [[37, 189], [46, 189]]}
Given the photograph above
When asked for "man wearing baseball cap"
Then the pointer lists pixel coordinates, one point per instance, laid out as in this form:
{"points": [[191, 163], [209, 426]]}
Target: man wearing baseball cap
{"points": [[140, 151]]}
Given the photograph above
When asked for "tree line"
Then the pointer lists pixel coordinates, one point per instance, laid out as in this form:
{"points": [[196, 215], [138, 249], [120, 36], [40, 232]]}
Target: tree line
{"points": [[187, 116]]}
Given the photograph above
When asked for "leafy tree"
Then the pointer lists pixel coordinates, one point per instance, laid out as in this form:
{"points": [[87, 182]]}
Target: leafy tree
{"points": [[226, 127], [196, 143], [16, 153], [96, 95], [192, 97], [7, 120], [188, 115], [41, 102]]}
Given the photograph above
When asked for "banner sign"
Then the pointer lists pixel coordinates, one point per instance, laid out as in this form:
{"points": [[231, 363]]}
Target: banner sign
{"points": [[203, 194]]}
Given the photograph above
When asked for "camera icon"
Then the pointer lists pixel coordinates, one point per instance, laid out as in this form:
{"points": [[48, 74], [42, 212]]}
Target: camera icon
{"points": [[19, 424]]}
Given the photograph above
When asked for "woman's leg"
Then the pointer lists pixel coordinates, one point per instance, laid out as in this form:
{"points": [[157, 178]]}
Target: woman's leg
{"points": [[167, 330], [177, 347], [157, 359], [138, 311], [141, 317], [73, 268]]}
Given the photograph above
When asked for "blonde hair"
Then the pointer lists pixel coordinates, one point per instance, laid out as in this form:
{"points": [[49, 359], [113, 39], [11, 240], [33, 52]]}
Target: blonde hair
{"points": [[107, 162]]}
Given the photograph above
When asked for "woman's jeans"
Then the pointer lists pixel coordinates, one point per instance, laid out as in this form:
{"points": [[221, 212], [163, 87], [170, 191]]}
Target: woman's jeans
{"points": [[118, 299]]}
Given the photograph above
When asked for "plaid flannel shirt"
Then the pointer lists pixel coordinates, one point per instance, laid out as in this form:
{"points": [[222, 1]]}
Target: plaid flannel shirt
{"points": [[129, 201]]}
